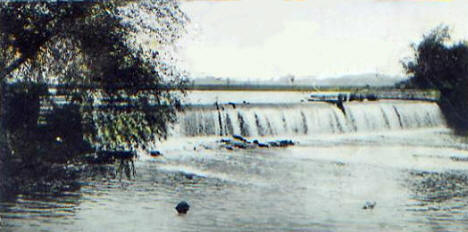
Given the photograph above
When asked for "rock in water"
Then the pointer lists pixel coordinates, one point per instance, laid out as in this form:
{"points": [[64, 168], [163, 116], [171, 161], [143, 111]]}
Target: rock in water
{"points": [[369, 205], [239, 137], [225, 141], [182, 207], [155, 153], [239, 145], [263, 145]]}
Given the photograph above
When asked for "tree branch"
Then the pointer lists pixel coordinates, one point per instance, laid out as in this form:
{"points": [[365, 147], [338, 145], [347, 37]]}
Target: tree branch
{"points": [[13, 66]]}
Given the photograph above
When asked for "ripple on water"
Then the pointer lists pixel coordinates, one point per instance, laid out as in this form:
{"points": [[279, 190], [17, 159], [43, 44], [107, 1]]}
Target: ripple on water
{"points": [[440, 198], [303, 188]]}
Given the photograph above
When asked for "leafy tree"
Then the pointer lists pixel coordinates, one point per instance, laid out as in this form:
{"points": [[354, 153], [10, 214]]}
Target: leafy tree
{"points": [[111, 58], [441, 64]]}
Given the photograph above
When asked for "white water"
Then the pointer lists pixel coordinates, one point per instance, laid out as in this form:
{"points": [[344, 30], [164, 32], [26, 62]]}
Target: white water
{"points": [[398, 154], [253, 120]]}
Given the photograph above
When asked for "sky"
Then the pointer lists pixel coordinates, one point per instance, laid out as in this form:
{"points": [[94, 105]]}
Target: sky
{"points": [[263, 39]]}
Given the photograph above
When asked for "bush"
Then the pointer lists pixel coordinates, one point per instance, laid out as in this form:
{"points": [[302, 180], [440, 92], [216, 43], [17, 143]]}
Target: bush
{"points": [[58, 139], [37, 151]]}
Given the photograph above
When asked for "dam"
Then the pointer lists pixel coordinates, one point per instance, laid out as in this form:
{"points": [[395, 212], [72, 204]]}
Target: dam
{"points": [[397, 156], [206, 113], [306, 118]]}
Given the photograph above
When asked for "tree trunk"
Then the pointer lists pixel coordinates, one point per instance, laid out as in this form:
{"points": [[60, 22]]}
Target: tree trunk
{"points": [[4, 145]]}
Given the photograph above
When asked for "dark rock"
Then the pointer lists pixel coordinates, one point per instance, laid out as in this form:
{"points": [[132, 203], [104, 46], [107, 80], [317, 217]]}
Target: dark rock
{"points": [[339, 163], [284, 143], [189, 176], [281, 143], [232, 104], [183, 207], [226, 141], [155, 153], [229, 148], [239, 145], [274, 143], [256, 142], [263, 145], [369, 205], [238, 137]]}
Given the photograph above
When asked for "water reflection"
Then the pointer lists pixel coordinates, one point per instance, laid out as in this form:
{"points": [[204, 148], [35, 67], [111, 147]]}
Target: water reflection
{"points": [[29, 211], [302, 188]]}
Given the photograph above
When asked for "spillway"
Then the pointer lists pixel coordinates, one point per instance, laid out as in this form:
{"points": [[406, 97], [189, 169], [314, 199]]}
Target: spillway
{"points": [[306, 118]]}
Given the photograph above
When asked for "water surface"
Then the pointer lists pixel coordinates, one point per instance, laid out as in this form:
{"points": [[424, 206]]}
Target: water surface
{"points": [[319, 185], [398, 154]]}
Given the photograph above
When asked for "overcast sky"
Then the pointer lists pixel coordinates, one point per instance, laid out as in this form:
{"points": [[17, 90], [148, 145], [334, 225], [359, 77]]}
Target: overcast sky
{"points": [[271, 38]]}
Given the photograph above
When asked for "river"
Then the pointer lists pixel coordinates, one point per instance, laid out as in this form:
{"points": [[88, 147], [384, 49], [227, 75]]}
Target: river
{"points": [[399, 155]]}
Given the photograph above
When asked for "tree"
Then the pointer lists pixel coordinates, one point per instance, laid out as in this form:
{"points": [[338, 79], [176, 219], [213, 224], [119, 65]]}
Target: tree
{"points": [[430, 59], [441, 65], [110, 58]]}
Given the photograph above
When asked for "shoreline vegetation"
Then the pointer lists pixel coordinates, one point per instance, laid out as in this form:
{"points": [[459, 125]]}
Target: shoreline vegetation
{"points": [[48, 143], [441, 64], [91, 50]]}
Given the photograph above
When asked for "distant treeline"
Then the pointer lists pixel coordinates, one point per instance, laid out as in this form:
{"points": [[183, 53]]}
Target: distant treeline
{"points": [[63, 88], [283, 87]]}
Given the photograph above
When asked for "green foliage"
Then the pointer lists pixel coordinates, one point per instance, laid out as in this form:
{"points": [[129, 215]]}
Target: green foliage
{"points": [[58, 139], [431, 60], [21, 104], [111, 59], [438, 64]]}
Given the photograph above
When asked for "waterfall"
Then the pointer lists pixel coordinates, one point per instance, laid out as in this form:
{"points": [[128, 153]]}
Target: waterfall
{"points": [[306, 118]]}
